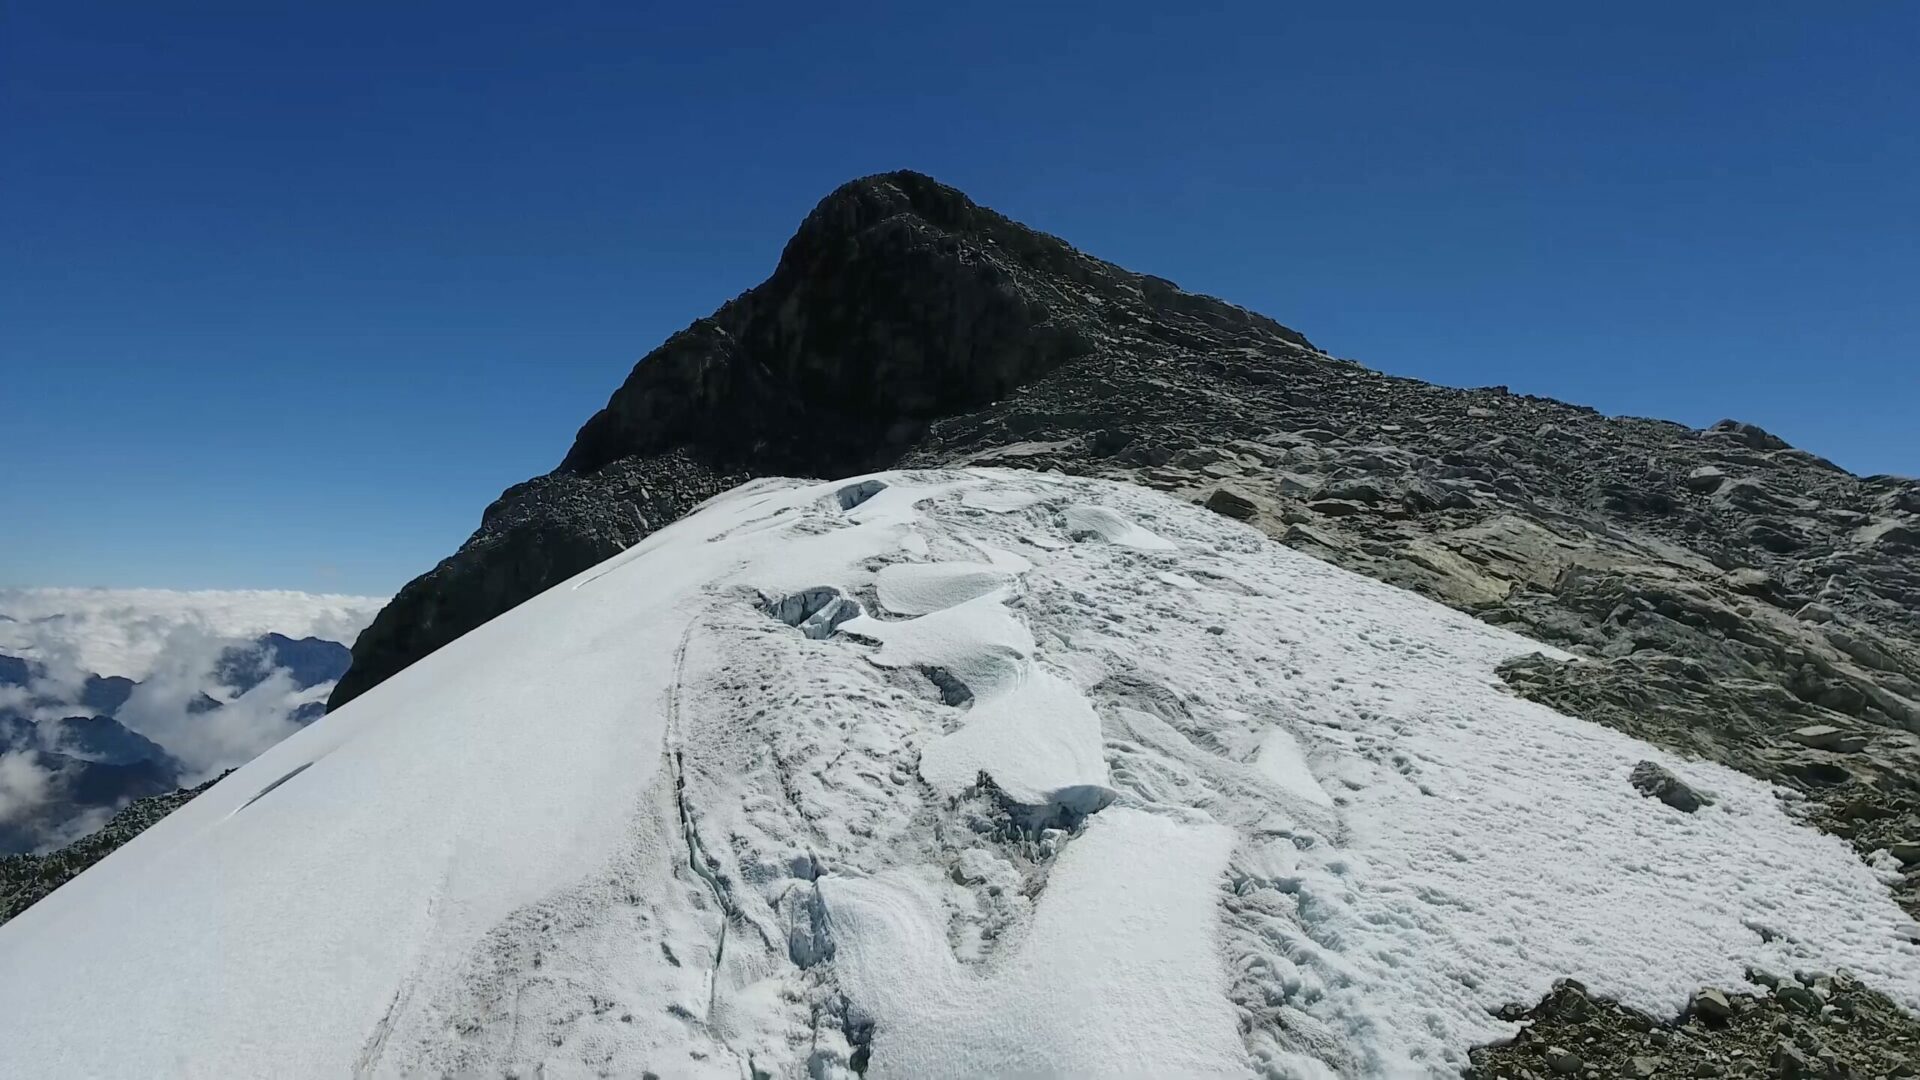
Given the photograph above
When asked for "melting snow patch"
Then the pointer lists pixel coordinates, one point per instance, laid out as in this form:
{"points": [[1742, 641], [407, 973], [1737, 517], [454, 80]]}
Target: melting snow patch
{"points": [[1038, 739], [1000, 501], [1119, 976], [978, 642], [923, 588], [1281, 760], [1111, 526]]}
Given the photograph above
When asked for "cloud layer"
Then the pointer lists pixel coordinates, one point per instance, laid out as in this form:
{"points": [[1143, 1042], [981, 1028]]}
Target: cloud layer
{"points": [[180, 648], [123, 631]]}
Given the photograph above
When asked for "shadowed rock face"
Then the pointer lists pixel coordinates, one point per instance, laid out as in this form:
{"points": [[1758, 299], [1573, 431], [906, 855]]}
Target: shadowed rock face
{"points": [[897, 303], [1726, 589]]}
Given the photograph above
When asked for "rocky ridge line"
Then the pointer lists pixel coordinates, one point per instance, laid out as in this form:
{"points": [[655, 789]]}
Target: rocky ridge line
{"points": [[1732, 597], [1736, 598], [897, 303]]}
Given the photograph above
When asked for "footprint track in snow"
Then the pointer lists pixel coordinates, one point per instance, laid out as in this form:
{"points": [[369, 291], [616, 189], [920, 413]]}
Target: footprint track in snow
{"points": [[1251, 725]]}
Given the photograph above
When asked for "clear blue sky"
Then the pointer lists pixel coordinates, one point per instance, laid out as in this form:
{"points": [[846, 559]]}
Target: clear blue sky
{"points": [[289, 292]]}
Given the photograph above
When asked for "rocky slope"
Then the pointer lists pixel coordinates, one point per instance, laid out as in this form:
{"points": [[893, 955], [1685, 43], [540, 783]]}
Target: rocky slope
{"points": [[26, 879], [1735, 598], [1802, 1026]]}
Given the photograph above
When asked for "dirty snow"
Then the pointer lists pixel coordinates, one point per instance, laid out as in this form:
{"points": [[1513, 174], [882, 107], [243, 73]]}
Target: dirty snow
{"points": [[944, 774], [1281, 759]]}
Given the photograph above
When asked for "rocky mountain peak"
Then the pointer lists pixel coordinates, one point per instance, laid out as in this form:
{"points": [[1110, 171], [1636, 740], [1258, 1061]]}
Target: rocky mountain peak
{"points": [[897, 300], [897, 303], [859, 205], [1723, 589]]}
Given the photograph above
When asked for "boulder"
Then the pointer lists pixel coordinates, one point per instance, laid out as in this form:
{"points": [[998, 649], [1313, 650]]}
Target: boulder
{"points": [[1712, 1005], [1230, 503], [1828, 737], [1750, 435], [1564, 1061], [1657, 783], [1706, 479], [1788, 1063], [1358, 491], [1335, 507]]}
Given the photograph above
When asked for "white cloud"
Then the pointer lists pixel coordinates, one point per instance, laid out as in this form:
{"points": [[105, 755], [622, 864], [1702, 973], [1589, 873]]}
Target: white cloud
{"points": [[211, 742], [234, 735], [24, 785], [171, 643], [121, 631], [207, 742]]}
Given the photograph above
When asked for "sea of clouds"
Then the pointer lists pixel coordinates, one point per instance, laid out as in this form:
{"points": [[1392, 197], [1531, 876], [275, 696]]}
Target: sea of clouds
{"points": [[171, 644], [126, 631]]}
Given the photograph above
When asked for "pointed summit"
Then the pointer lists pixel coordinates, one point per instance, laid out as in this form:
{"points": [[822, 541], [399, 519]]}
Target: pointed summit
{"points": [[899, 302]]}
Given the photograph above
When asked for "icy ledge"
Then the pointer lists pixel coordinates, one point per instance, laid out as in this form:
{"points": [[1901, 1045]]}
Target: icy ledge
{"points": [[926, 775]]}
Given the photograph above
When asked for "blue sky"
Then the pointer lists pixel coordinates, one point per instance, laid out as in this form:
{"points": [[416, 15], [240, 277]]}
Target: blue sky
{"points": [[289, 292]]}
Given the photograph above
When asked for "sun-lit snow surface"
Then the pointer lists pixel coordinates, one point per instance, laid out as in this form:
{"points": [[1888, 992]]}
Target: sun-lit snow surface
{"points": [[123, 631], [706, 809]]}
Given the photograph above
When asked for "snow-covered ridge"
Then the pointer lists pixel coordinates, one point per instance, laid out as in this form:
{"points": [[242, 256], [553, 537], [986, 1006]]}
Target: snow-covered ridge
{"points": [[945, 774]]}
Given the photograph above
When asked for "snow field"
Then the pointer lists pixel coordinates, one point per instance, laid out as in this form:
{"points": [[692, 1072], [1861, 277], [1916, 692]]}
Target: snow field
{"points": [[948, 774]]}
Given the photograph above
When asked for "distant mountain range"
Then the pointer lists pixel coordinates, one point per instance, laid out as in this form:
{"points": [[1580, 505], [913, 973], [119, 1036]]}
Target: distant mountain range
{"points": [[199, 690], [90, 764]]}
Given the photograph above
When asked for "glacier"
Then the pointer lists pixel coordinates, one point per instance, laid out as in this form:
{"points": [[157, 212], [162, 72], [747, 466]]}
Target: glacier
{"points": [[929, 774]]}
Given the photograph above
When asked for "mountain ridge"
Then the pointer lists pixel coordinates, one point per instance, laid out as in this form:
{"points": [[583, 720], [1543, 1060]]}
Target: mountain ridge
{"points": [[962, 772], [898, 301], [1725, 592]]}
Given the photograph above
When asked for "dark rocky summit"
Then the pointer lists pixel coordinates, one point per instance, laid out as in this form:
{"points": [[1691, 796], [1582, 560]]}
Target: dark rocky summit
{"points": [[1725, 589], [898, 305], [1730, 597]]}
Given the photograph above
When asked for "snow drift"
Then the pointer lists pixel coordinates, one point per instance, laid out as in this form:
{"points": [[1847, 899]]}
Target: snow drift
{"points": [[940, 774]]}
